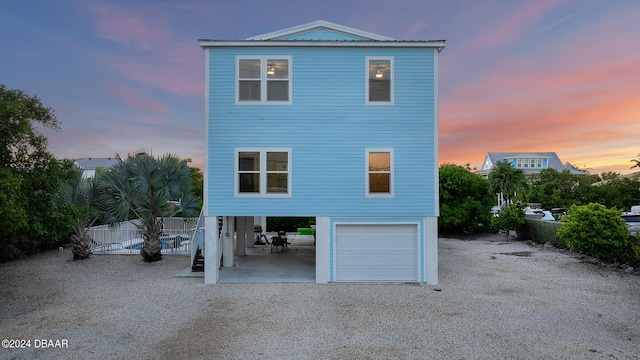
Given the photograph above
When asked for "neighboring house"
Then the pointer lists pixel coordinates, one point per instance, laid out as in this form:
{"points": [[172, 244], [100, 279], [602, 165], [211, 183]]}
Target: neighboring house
{"points": [[89, 165], [331, 122], [530, 163]]}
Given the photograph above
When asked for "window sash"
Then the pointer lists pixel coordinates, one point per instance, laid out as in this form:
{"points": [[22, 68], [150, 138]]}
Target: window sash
{"points": [[263, 80], [263, 172], [379, 173], [379, 80]]}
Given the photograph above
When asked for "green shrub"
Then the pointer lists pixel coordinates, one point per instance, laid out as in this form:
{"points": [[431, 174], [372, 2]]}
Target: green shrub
{"points": [[594, 230], [511, 217], [288, 223], [542, 231]]}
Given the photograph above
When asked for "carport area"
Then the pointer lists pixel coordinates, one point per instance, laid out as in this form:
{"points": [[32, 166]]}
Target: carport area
{"points": [[296, 264]]}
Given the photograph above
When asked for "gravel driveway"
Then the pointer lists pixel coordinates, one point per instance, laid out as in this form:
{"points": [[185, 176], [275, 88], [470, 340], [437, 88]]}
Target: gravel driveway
{"points": [[497, 299]]}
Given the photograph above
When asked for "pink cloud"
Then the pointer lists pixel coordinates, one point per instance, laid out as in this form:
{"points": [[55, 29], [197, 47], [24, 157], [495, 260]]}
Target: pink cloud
{"points": [[124, 25], [141, 101], [575, 95], [514, 24], [156, 55]]}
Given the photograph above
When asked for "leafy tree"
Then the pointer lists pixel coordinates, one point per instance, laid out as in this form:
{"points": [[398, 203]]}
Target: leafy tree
{"points": [[561, 189], [197, 183], [465, 201], [147, 188], [33, 214], [510, 217], [594, 229], [507, 180], [618, 192]]}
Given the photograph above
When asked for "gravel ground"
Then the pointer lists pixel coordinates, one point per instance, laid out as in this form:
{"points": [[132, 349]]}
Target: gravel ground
{"points": [[497, 299]]}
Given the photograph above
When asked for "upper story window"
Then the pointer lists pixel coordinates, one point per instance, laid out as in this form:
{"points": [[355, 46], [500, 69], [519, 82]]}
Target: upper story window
{"points": [[379, 84], [379, 177], [528, 163], [264, 80], [263, 172]]}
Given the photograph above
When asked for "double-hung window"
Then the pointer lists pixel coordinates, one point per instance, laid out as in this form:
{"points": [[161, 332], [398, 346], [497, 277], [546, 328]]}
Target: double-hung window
{"points": [[263, 80], [379, 83], [263, 172], [379, 174]]}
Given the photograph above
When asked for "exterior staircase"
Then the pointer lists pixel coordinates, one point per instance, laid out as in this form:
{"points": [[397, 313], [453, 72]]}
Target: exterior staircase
{"points": [[198, 262]]}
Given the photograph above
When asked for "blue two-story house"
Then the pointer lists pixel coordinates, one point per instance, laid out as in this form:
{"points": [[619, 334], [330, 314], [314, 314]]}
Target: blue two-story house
{"points": [[331, 122]]}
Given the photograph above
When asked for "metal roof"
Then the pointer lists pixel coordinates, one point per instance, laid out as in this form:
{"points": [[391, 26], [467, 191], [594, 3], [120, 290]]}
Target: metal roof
{"points": [[94, 163]]}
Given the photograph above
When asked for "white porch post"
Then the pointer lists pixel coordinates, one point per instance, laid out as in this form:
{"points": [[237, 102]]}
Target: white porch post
{"points": [[227, 241], [322, 249], [431, 250], [241, 236], [262, 221], [211, 256]]}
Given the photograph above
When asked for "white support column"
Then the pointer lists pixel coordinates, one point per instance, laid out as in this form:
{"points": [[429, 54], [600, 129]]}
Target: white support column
{"points": [[241, 236], [322, 249], [431, 250], [262, 221], [211, 256], [227, 241]]}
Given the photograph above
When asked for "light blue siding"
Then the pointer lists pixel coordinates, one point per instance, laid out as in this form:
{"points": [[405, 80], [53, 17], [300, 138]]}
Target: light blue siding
{"points": [[320, 34], [328, 127]]}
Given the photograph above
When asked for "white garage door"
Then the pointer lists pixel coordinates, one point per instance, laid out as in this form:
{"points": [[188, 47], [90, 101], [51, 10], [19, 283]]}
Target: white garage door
{"points": [[377, 252]]}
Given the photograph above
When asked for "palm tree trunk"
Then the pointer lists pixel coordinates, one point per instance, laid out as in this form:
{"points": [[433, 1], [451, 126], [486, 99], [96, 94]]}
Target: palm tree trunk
{"points": [[152, 249], [81, 249]]}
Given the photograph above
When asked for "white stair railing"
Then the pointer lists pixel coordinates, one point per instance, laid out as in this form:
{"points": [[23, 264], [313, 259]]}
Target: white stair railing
{"points": [[198, 235]]}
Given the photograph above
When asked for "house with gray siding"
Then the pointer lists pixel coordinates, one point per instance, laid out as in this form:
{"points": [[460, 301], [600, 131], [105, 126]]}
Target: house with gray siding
{"points": [[326, 121], [531, 163]]}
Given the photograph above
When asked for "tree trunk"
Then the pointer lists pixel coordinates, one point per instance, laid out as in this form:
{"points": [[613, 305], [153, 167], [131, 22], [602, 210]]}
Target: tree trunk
{"points": [[152, 249], [81, 249]]}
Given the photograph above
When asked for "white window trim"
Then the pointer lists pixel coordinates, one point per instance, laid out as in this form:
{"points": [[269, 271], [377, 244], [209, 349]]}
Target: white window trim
{"points": [[391, 79], [366, 173], [263, 80], [263, 173]]}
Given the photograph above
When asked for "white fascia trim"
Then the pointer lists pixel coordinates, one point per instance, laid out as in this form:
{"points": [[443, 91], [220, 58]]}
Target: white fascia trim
{"points": [[205, 169], [438, 45], [316, 25], [436, 125]]}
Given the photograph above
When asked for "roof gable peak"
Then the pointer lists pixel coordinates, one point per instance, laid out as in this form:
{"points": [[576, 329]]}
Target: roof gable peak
{"points": [[320, 24]]}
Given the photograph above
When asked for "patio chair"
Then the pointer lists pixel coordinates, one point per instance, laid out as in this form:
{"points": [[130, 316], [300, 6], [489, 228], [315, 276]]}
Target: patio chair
{"points": [[277, 241], [259, 236]]}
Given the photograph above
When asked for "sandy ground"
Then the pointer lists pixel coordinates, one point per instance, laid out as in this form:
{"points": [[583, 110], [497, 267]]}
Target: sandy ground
{"points": [[497, 299]]}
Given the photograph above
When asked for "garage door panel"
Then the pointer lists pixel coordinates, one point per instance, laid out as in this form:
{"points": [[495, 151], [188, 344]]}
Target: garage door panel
{"points": [[376, 252]]}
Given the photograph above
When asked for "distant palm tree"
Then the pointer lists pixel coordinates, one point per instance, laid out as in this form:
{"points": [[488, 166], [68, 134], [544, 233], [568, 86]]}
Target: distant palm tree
{"points": [[637, 161], [143, 187], [82, 194], [507, 180]]}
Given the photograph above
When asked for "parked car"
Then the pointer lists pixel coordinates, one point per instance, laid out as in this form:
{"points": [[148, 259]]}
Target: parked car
{"points": [[632, 221]]}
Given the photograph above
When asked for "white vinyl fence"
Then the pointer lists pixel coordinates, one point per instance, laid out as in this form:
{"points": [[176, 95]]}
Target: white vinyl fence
{"points": [[126, 237]]}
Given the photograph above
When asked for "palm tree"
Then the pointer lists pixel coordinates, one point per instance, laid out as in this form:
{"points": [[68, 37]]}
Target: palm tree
{"points": [[507, 180], [82, 194], [149, 189], [637, 161]]}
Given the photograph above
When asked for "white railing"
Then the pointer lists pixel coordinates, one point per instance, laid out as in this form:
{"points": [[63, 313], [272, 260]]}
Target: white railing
{"points": [[197, 237], [126, 237]]}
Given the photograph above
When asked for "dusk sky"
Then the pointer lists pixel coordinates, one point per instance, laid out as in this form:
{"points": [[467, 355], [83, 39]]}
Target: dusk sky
{"points": [[515, 76]]}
